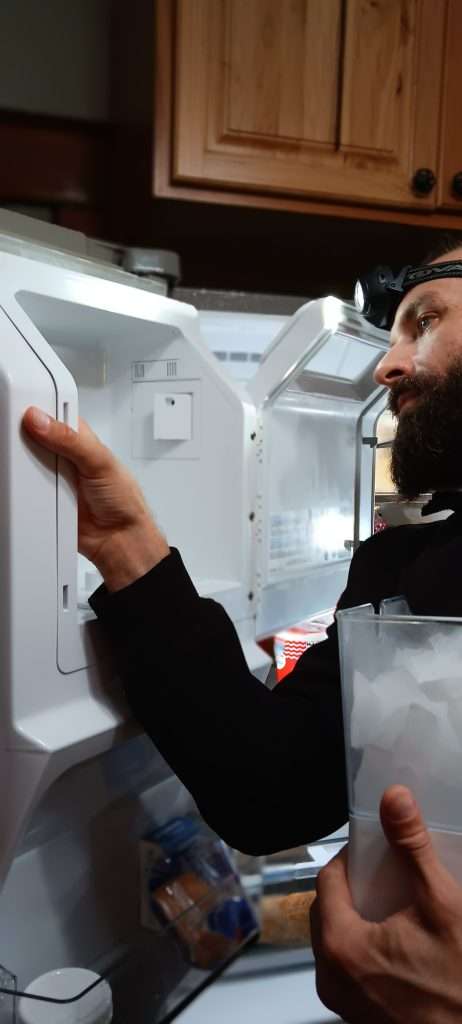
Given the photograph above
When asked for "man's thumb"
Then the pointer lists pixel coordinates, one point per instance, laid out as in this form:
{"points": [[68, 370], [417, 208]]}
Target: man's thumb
{"points": [[405, 828]]}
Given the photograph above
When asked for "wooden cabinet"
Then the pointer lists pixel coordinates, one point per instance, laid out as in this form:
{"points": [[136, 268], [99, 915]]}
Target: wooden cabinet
{"points": [[318, 102], [450, 163]]}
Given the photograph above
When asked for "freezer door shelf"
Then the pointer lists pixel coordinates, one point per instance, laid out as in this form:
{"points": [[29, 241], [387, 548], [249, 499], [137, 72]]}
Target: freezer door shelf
{"points": [[157, 973]]}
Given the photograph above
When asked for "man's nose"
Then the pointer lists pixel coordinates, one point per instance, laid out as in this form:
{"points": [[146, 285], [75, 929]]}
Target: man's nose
{"points": [[398, 362]]}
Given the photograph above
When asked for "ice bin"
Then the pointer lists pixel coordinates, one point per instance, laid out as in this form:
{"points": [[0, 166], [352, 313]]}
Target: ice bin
{"points": [[402, 706]]}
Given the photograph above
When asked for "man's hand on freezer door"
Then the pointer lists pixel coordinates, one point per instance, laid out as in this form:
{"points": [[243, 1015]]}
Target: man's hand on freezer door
{"points": [[408, 968], [116, 530]]}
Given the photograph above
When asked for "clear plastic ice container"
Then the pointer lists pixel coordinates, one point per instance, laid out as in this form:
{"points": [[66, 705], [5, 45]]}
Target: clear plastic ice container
{"points": [[402, 707]]}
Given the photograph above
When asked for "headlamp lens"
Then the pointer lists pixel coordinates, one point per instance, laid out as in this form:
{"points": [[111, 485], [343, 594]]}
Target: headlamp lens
{"points": [[359, 297], [373, 298]]}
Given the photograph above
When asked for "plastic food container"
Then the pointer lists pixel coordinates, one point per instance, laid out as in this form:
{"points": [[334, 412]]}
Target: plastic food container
{"points": [[189, 883]]}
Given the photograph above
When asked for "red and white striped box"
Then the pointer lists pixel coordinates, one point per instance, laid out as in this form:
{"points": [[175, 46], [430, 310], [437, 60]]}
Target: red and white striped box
{"points": [[290, 644]]}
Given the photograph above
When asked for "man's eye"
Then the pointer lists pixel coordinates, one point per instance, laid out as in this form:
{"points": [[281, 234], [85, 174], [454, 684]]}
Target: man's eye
{"points": [[424, 322]]}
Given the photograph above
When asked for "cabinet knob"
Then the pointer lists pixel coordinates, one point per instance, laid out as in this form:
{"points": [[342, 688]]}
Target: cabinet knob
{"points": [[423, 181], [457, 184]]}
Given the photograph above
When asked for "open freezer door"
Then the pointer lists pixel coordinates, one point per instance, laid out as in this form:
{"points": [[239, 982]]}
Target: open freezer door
{"points": [[318, 404], [83, 789]]}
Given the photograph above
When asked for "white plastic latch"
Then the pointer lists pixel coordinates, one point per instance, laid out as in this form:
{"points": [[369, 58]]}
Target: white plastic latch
{"points": [[172, 417]]}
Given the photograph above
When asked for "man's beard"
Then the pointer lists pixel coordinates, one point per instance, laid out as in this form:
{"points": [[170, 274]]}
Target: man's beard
{"points": [[427, 450]]}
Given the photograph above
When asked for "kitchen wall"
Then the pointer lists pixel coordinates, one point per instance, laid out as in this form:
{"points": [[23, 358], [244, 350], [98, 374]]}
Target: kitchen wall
{"points": [[54, 57]]}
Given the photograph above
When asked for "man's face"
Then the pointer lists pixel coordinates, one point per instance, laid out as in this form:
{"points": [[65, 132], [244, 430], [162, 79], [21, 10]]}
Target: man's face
{"points": [[423, 371]]}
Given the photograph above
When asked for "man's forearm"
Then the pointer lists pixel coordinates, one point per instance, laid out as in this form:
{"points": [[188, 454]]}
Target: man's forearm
{"points": [[240, 749]]}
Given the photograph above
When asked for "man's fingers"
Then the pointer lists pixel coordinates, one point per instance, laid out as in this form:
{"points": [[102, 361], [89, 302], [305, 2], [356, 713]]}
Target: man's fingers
{"points": [[83, 449], [333, 894], [338, 934]]}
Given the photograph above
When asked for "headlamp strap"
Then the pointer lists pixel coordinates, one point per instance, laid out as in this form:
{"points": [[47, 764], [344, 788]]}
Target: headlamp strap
{"points": [[433, 272]]}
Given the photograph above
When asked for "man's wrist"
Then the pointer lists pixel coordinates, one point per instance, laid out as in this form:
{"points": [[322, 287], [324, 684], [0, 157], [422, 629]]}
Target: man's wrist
{"points": [[131, 554]]}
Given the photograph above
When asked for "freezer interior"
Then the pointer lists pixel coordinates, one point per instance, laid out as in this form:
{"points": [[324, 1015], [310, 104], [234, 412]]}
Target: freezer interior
{"points": [[318, 408]]}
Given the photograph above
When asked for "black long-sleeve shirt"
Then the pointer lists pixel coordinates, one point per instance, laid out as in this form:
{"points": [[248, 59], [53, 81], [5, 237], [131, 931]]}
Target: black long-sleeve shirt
{"points": [[266, 768]]}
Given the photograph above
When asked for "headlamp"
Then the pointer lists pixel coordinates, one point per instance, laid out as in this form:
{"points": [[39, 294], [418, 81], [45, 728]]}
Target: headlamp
{"points": [[379, 292]]}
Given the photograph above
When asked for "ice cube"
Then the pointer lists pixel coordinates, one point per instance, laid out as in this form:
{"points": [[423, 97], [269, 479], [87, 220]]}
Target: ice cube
{"points": [[389, 729], [444, 661], [427, 665], [449, 639], [417, 742], [395, 688], [379, 708], [447, 689]]}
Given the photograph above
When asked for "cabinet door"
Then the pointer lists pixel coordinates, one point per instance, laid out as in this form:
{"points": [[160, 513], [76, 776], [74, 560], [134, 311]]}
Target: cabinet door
{"points": [[325, 98], [450, 184]]}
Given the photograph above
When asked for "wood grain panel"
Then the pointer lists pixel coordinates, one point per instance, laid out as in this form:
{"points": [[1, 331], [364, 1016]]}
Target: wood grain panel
{"points": [[275, 68], [451, 128], [379, 75], [192, 54], [428, 86]]}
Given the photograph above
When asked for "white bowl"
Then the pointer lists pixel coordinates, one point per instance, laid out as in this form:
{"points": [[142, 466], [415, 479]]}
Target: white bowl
{"points": [[94, 1008]]}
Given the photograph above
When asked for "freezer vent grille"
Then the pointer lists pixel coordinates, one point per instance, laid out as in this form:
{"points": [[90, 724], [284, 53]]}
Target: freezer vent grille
{"points": [[154, 369]]}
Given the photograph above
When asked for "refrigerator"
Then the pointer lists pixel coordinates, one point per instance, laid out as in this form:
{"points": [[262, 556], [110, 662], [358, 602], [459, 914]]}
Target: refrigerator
{"points": [[262, 479]]}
